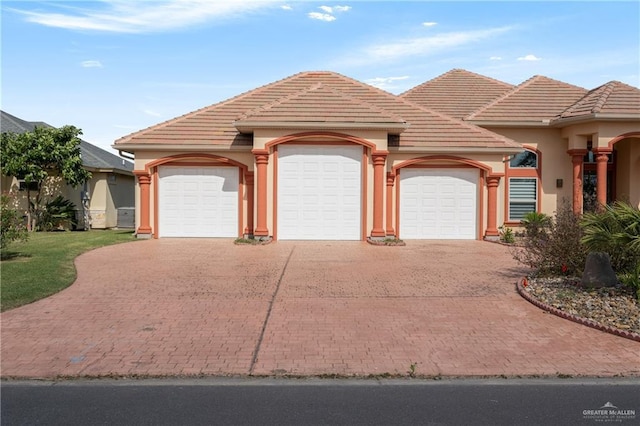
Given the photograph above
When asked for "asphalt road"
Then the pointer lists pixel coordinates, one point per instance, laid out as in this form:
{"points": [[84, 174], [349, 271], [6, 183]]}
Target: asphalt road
{"points": [[221, 401]]}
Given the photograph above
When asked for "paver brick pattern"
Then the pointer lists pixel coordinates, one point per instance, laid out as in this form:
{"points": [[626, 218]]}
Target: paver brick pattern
{"points": [[209, 307]]}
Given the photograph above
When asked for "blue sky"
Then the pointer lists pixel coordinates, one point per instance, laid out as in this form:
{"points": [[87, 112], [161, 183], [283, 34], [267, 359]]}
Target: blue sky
{"points": [[113, 67]]}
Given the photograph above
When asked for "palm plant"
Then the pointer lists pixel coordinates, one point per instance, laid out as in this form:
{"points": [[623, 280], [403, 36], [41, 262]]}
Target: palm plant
{"points": [[535, 222], [616, 230], [57, 212]]}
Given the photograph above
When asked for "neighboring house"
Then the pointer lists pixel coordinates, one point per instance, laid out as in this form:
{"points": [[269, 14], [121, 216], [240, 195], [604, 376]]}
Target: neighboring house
{"points": [[107, 200], [321, 156]]}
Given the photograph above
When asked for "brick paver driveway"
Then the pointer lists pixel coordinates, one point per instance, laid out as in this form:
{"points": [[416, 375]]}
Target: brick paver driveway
{"points": [[206, 306]]}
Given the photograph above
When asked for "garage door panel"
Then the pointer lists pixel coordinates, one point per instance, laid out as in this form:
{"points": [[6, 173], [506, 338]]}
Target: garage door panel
{"points": [[326, 194], [438, 203], [198, 201]]}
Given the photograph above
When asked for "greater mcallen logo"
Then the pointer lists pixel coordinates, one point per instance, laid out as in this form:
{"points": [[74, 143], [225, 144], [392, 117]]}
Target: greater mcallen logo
{"points": [[609, 413]]}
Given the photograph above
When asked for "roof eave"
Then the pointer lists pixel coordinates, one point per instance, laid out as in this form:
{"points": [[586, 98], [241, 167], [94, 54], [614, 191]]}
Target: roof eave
{"points": [[248, 126], [558, 122], [456, 150], [131, 148], [108, 170], [508, 123]]}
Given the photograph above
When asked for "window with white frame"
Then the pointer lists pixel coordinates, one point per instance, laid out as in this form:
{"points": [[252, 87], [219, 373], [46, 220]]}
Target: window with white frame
{"points": [[523, 197]]}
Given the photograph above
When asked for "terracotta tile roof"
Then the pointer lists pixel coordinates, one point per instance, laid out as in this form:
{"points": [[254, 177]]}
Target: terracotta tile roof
{"points": [[214, 125], [319, 104], [613, 99], [457, 93], [536, 101]]}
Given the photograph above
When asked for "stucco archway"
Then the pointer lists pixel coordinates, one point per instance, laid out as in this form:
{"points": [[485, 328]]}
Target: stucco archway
{"points": [[148, 181], [486, 177]]}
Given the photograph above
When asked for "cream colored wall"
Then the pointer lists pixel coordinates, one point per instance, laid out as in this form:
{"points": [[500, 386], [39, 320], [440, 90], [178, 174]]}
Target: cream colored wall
{"points": [[556, 163], [105, 197], [600, 133], [628, 170], [262, 137], [99, 204], [634, 172]]}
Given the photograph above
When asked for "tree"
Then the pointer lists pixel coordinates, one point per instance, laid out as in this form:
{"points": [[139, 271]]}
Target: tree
{"points": [[36, 156]]}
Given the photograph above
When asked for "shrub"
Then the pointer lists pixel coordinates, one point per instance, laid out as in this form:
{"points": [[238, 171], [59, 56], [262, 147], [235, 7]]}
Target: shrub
{"points": [[506, 235], [615, 229], [12, 227], [57, 213], [554, 246]]}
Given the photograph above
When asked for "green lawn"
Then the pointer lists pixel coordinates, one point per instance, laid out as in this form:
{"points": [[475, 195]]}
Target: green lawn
{"points": [[44, 265]]}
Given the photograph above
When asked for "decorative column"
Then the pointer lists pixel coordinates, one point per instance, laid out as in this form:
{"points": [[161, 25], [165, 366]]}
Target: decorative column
{"points": [[492, 207], [601, 176], [262, 160], [390, 181], [577, 156], [248, 178], [379, 161], [144, 182]]}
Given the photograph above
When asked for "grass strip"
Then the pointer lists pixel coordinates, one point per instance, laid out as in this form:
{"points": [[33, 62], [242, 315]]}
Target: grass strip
{"points": [[44, 265]]}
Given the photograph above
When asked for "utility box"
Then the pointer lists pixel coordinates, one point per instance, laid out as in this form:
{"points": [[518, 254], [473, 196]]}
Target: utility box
{"points": [[126, 217]]}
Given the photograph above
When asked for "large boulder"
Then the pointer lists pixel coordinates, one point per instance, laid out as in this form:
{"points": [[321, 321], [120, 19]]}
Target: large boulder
{"points": [[598, 271]]}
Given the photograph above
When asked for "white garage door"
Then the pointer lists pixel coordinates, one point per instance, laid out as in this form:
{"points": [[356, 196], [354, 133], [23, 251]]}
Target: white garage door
{"points": [[198, 201], [319, 192], [438, 203]]}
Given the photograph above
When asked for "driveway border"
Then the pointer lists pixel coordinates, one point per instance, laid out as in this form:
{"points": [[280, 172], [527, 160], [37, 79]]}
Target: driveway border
{"points": [[522, 283]]}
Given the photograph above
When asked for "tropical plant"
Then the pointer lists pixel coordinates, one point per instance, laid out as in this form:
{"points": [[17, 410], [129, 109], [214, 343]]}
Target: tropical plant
{"points": [[535, 222], [36, 156], [12, 227], [56, 213], [615, 230], [506, 235]]}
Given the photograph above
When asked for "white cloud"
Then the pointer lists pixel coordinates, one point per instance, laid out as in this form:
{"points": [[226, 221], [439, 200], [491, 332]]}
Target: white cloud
{"points": [[429, 24], [91, 64], [495, 58], [322, 16], [125, 16], [329, 13], [286, 7], [529, 58], [151, 112], [385, 83], [422, 46]]}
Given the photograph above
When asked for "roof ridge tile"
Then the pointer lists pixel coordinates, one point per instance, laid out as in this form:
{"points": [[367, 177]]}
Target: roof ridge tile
{"points": [[520, 89], [314, 87]]}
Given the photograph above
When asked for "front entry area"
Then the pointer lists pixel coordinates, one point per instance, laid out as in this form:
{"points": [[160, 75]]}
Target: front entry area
{"points": [[319, 192], [198, 201], [438, 203]]}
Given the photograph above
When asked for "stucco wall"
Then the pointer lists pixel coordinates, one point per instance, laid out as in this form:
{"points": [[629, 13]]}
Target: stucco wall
{"points": [[556, 163], [628, 170], [105, 197]]}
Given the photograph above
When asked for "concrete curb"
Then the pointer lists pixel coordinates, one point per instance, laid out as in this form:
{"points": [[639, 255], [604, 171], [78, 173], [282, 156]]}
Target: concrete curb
{"points": [[522, 283]]}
